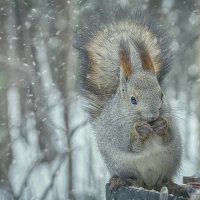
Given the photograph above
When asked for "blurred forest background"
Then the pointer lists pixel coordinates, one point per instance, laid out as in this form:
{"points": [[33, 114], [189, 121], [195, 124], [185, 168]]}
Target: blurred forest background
{"points": [[47, 149]]}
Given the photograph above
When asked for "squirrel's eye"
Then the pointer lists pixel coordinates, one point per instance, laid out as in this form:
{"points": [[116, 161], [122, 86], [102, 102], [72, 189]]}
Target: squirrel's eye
{"points": [[161, 96], [133, 100]]}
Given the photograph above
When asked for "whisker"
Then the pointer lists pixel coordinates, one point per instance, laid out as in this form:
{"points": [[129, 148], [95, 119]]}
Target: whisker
{"points": [[124, 116]]}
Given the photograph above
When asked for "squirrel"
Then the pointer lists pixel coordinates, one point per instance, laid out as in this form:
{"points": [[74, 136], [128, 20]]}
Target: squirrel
{"points": [[123, 63]]}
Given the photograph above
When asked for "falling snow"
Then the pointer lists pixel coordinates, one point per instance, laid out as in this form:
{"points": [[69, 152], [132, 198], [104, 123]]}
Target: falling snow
{"points": [[44, 129]]}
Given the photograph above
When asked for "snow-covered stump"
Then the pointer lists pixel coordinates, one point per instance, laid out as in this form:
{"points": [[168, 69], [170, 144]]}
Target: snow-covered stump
{"points": [[139, 194]]}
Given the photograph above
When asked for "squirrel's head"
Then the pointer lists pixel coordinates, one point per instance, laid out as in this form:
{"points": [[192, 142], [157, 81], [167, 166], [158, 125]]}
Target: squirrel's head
{"points": [[138, 81]]}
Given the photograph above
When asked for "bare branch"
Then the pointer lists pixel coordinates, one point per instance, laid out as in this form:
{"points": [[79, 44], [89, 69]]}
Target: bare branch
{"points": [[29, 172], [71, 133], [51, 184]]}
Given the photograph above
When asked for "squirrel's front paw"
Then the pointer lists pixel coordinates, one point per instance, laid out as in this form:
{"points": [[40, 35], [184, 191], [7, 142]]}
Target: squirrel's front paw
{"points": [[160, 126], [143, 129]]}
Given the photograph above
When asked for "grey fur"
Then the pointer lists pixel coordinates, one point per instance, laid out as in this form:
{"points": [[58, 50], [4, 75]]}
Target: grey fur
{"points": [[109, 93], [150, 162]]}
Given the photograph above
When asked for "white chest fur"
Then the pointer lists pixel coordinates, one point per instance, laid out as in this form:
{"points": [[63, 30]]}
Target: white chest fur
{"points": [[154, 163]]}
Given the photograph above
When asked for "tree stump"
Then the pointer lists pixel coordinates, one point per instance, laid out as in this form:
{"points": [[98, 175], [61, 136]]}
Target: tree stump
{"points": [[133, 193], [191, 187]]}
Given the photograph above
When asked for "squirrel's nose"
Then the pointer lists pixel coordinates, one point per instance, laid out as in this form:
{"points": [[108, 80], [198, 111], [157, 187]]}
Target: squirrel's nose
{"points": [[151, 118]]}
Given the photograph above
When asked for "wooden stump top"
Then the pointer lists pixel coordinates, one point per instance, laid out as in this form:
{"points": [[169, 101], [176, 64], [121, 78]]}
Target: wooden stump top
{"points": [[133, 193]]}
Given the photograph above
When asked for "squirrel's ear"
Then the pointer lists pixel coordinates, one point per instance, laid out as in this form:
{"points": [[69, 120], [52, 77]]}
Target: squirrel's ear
{"points": [[126, 69], [145, 58]]}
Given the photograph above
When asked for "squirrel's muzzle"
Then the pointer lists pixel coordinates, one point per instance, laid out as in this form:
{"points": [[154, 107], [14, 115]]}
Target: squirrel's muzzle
{"points": [[150, 117]]}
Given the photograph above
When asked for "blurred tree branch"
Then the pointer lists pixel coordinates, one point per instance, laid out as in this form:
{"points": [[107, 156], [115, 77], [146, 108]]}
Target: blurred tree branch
{"points": [[62, 159], [71, 133], [26, 179]]}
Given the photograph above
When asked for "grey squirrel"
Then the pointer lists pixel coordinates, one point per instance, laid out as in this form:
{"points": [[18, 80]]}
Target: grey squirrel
{"points": [[123, 63]]}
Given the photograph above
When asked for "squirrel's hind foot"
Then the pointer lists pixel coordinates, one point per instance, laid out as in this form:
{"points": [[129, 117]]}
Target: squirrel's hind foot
{"points": [[173, 188], [115, 182]]}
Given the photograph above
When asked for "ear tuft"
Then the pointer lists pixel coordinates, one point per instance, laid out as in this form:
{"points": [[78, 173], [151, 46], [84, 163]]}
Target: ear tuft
{"points": [[146, 60], [124, 58]]}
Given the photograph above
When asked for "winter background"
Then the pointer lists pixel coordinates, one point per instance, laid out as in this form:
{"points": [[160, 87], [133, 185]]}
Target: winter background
{"points": [[47, 149]]}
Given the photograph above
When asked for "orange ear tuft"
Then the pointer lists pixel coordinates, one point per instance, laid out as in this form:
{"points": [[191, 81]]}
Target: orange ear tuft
{"points": [[124, 58], [147, 63], [146, 60]]}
